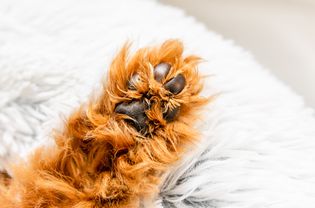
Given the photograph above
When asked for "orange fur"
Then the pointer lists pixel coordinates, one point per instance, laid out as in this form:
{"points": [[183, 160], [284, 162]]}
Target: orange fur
{"points": [[99, 160]]}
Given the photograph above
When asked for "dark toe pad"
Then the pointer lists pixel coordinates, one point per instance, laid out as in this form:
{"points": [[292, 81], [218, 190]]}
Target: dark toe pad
{"points": [[176, 85], [160, 71], [170, 114]]}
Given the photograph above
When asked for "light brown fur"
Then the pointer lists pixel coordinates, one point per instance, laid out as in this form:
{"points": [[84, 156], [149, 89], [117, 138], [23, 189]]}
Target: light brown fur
{"points": [[99, 160]]}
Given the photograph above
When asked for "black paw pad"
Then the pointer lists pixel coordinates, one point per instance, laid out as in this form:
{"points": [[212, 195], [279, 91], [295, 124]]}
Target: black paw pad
{"points": [[136, 111], [161, 70], [132, 82], [170, 114], [176, 85]]}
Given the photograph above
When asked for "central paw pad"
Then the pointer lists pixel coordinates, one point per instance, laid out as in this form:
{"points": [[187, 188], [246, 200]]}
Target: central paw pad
{"points": [[137, 109]]}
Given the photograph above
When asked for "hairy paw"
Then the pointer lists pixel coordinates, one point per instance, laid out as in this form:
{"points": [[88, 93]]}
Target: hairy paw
{"points": [[155, 88]]}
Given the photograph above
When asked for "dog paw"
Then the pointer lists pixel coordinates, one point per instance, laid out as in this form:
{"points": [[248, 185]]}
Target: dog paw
{"points": [[155, 87], [136, 109]]}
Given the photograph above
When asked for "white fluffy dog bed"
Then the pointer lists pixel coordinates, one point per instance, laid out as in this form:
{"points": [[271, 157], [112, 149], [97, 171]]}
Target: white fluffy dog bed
{"points": [[258, 138]]}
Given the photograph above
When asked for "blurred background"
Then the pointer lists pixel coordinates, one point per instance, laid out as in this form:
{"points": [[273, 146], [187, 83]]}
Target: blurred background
{"points": [[279, 33]]}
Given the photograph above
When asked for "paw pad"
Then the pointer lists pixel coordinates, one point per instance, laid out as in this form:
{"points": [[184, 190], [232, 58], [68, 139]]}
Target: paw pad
{"points": [[133, 81], [176, 85], [161, 71], [169, 115], [136, 109]]}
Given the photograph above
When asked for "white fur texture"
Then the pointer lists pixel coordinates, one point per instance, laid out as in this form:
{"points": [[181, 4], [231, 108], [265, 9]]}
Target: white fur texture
{"points": [[258, 139]]}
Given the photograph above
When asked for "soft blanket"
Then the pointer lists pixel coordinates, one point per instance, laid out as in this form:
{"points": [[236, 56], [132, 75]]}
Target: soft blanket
{"points": [[257, 145]]}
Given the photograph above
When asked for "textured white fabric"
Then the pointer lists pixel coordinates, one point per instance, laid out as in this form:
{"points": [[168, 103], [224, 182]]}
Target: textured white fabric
{"points": [[257, 146]]}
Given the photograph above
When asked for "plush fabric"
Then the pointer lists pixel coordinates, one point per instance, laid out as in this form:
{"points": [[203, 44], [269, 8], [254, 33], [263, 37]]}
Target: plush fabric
{"points": [[257, 146]]}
